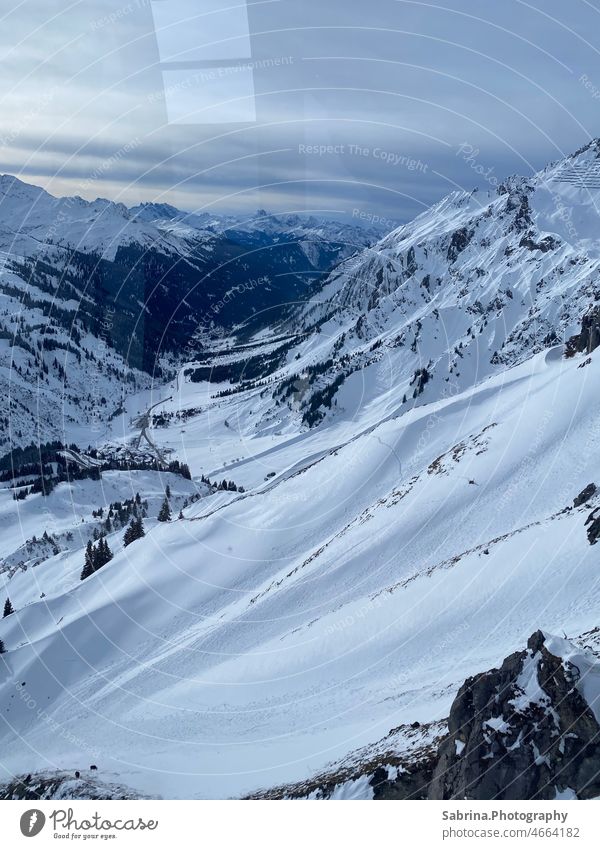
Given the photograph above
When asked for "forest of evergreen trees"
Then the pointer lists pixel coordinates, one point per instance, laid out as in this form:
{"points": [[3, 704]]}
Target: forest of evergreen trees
{"points": [[40, 467]]}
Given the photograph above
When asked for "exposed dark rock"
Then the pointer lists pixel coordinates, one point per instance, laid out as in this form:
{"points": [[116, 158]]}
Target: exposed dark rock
{"points": [[523, 731], [544, 245], [410, 782], [411, 263], [588, 338], [550, 339], [593, 531], [520, 732], [459, 241], [585, 495], [519, 203]]}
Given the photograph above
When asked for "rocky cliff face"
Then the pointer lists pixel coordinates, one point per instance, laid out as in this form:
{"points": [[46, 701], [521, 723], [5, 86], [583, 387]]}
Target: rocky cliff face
{"points": [[528, 730], [523, 731], [588, 337]]}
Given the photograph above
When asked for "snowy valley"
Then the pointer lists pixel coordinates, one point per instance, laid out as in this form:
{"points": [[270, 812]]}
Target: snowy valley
{"points": [[376, 495]]}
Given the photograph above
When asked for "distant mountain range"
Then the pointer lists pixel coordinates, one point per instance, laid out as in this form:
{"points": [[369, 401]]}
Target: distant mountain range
{"points": [[109, 295]]}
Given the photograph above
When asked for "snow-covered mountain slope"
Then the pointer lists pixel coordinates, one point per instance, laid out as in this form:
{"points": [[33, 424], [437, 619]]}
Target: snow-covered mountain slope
{"points": [[407, 500], [272, 631], [476, 283], [93, 294], [31, 219], [44, 529], [57, 378], [57, 785]]}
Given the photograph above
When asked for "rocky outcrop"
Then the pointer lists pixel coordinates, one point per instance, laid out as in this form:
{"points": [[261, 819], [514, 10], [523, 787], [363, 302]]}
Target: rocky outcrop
{"points": [[406, 782], [593, 526], [585, 495], [458, 242], [399, 766], [588, 338], [528, 730], [523, 731]]}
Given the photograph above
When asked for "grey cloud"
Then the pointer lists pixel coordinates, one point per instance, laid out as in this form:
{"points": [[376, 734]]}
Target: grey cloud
{"points": [[402, 78]]}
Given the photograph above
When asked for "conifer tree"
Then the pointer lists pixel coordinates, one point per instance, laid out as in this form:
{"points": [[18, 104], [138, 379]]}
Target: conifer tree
{"points": [[99, 555], [88, 566], [168, 491], [135, 530], [129, 535], [2, 648], [103, 555], [108, 555], [8, 608], [165, 512]]}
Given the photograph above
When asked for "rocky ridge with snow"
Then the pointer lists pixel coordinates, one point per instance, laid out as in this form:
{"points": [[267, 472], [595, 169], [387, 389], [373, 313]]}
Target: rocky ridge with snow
{"points": [[479, 282], [527, 730]]}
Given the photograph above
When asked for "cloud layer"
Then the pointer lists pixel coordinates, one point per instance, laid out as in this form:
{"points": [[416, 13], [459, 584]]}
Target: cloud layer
{"points": [[340, 105]]}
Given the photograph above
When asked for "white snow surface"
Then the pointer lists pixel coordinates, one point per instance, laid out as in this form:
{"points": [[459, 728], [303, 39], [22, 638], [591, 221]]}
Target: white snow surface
{"points": [[373, 562], [269, 632]]}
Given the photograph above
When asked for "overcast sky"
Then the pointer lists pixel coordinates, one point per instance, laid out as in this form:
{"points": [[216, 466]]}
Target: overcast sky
{"points": [[339, 106]]}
